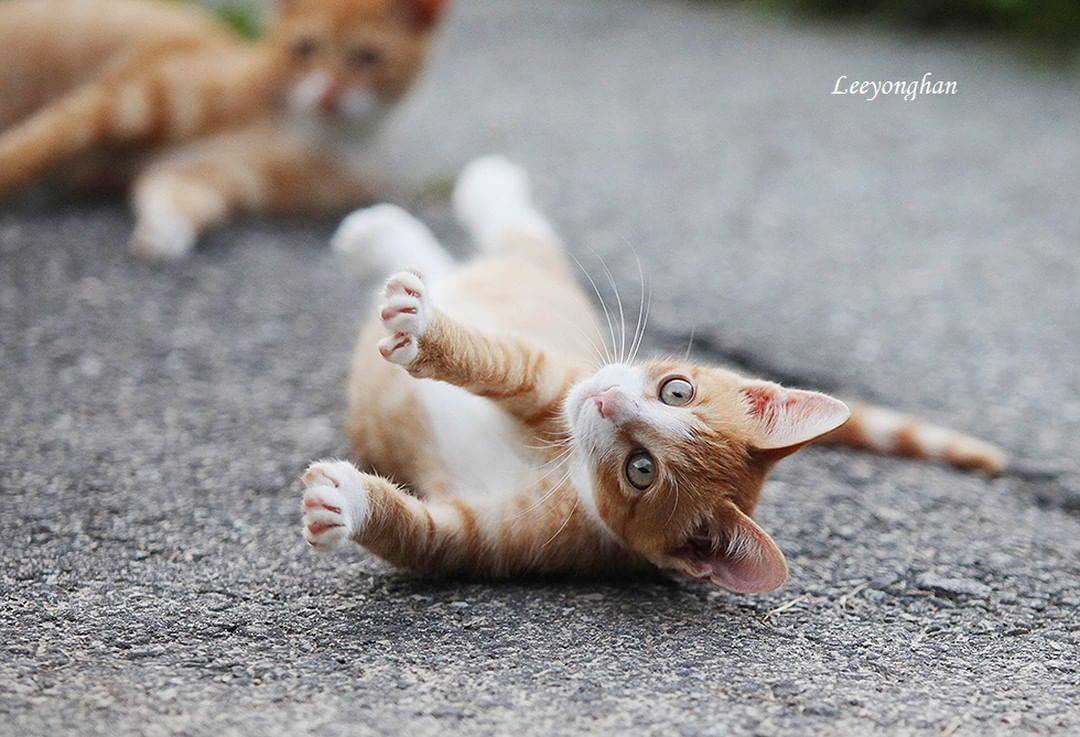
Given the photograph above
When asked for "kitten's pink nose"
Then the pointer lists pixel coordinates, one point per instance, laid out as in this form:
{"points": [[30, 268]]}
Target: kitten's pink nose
{"points": [[331, 96], [606, 402]]}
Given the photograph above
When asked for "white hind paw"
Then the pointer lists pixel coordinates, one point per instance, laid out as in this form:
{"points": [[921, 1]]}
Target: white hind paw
{"points": [[405, 312], [335, 505], [491, 187], [384, 237]]}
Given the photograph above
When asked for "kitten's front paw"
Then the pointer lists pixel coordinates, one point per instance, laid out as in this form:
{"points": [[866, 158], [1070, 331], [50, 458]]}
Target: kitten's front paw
{"points": [[405, 312], [162, 237], [336, 503]]}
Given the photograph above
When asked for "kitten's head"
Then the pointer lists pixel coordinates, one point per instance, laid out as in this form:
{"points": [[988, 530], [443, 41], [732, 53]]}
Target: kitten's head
{"points": [[349, 60], [676, 455]]}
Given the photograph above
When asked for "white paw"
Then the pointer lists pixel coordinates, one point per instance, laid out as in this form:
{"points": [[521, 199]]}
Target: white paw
{"points": [[336, 503], [491, 187], [405, 312], [165, 235], [384, 238]]}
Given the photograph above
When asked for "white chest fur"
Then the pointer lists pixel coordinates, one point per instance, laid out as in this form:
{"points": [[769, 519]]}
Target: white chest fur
{"points": [[476, 441]]}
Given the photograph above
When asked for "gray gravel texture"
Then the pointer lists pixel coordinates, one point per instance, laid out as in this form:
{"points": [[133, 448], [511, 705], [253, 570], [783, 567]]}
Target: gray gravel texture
{"points": [[923, 254]]}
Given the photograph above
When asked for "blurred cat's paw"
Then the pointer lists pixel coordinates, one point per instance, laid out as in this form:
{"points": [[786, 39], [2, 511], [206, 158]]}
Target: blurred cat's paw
{"points": [[164, 236], [491, 188], [385, 238], [405, 313], [336, 504], [493, 200]]}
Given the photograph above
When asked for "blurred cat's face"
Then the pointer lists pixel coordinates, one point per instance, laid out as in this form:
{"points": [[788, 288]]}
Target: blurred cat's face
{"points": [[349, 60], [675, 455]]}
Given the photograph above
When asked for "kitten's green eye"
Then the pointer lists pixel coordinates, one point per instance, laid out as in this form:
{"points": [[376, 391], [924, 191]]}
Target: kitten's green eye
{"points": [[640, 470], [365, 56], [676, 392], [305, 48]]}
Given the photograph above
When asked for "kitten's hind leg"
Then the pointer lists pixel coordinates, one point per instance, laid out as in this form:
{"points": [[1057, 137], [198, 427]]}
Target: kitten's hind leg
{"points": [[383, 239], [493, 201]]}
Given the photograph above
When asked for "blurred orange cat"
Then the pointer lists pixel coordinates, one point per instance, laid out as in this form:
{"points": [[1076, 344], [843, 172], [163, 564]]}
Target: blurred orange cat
{"points": [[203, 123], [478, 387]]}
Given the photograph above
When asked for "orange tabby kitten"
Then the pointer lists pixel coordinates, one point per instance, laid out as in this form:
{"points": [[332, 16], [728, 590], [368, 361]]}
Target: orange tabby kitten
{"points": [[476, 386], [209, 124]]}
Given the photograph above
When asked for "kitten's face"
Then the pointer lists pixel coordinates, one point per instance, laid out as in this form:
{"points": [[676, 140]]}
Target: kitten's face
{"points": [[676, 454], [349, 60]]}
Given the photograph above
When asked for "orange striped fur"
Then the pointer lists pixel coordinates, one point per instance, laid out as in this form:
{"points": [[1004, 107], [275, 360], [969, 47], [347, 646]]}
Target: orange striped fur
{"points": [[477, 388], [205, 123], [885, 431]]}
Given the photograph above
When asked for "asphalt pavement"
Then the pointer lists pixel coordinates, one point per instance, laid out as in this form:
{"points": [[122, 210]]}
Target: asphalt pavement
{"points": [[922, 254]]}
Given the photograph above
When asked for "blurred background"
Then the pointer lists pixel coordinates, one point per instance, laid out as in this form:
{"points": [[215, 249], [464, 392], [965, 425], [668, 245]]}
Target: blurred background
{"points": [[922, 254], [1049, 27]]}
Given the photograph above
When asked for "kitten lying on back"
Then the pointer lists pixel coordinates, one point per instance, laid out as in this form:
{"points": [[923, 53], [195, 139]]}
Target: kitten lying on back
{"points": [[206, 124], [525, 457]]}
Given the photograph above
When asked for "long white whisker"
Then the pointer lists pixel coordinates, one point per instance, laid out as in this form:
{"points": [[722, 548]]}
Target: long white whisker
{"points": [[603, 305], [641, 300], [690, 343], [547, 445], [585, 336], [564, 524], [554, 462], [562, 480], [675, 484], [618, 300], [644, 324], [565, 434], [592, 344]]}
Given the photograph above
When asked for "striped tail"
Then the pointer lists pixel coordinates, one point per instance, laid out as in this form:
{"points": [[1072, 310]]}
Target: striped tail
{"points": [[892, 433]]}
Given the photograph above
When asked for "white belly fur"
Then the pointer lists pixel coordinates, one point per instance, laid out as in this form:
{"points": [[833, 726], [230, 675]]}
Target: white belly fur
{"points": [[476, 441]]}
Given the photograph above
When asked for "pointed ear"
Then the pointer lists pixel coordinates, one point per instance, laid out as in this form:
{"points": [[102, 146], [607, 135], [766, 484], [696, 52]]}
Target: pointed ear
{"points": [[424, 13], [787, 418], [742, 557]]}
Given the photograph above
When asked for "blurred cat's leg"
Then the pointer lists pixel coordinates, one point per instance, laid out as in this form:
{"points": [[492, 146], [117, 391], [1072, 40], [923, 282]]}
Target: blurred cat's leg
{"points": [[513, 534], [63, 128], [493, 201], [527, 382], [382, 239], [171, 90], [196, 186]]}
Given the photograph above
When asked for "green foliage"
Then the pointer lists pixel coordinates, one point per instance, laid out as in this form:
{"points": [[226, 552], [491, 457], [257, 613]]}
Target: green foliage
{"points": [[240, 15], [1053, 22], [242, 18]]}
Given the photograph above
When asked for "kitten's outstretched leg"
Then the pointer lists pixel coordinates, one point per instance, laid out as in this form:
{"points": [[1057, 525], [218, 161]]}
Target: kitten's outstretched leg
{"points": [[493, 201], [342, 504], [385, 238], [507, 370]]}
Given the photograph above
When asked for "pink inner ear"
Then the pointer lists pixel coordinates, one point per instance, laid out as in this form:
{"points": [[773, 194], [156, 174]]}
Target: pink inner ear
{"points": [[787, 417], [746, 560]]}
